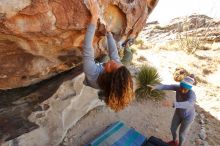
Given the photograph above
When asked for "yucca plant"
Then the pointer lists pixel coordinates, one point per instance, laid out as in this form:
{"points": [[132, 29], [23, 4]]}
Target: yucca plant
{"points": [[148, 76]]}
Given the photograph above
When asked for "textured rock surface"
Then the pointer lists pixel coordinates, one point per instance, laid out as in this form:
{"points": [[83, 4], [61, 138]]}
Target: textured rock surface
{"points": [[203, 27], [40, 38], [16, 105], [67, 105]]}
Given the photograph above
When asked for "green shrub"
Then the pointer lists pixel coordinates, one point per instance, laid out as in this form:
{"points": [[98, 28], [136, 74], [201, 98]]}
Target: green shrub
{"points": [[133, 50], [148, 76]]}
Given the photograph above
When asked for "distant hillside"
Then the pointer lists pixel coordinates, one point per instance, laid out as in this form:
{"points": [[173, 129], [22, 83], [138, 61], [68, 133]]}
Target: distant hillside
{"points": [[203, 27]]}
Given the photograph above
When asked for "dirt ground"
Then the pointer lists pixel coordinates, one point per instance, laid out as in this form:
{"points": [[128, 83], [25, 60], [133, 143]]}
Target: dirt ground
{"points": [[148, 117]]}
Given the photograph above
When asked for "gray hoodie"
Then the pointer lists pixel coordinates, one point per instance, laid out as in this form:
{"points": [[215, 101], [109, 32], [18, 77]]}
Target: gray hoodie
{"points": [[184, 102], [91, 69]]}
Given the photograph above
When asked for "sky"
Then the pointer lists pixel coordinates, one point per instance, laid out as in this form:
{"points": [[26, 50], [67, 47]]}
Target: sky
{"points": [[169, 9]]}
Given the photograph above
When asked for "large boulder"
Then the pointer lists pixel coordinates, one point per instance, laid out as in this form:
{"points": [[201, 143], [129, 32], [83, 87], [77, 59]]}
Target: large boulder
{"points": [[65, 107], [40, 38]]}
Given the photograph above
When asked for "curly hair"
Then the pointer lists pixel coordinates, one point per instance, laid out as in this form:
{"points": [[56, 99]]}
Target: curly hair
{"points": [[117, 87]]}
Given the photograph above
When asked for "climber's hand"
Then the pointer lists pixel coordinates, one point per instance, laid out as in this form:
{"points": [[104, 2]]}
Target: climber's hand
{"points": [[109, 24], [94, 9], [128, 43], [133, 35], [108, 28]]}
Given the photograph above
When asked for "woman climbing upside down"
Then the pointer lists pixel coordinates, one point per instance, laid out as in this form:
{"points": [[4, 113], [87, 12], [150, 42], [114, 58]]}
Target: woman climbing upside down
{"points": [[112, 77]]}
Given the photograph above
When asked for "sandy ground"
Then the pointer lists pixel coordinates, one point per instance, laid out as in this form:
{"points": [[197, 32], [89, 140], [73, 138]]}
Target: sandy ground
{"points": [[148, 117]]}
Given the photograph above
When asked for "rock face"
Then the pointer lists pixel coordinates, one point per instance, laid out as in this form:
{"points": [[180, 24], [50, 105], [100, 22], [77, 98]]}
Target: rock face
{"points": [[16, 105], [70, 102], [40, 38]]}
